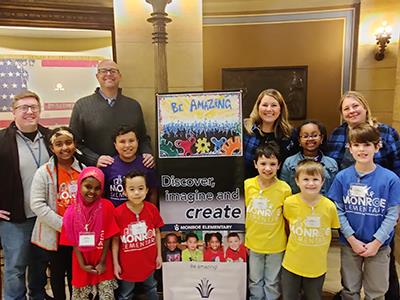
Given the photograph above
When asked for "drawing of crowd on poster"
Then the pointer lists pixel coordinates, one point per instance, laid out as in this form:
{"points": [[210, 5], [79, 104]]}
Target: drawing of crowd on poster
{"points": [[200, 124], [200, 166]]}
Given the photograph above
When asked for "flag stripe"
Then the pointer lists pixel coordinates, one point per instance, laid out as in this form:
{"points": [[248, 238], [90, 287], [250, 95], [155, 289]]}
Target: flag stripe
{"points": [[58, 106], [69, 63], [45, 122]]}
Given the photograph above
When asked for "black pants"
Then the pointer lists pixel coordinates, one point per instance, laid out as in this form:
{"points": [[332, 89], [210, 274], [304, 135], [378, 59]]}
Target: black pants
{"points": [[393, 292], [293, 285], [60, 265]]}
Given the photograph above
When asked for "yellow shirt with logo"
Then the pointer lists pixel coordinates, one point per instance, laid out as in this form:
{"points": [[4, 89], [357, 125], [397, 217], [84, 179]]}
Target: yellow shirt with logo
{"points": [[265, 226], [310, 235]]}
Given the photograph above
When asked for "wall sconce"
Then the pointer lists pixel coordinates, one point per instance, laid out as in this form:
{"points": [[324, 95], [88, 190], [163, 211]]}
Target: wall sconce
{"points": [[382, 35]]}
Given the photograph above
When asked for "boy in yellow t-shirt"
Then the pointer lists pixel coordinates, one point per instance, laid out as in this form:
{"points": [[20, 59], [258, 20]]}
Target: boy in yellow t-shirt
{"points": [[265, 226], [311, 217]]}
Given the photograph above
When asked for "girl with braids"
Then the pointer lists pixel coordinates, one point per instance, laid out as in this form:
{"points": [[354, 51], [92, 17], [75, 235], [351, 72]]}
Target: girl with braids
{"points": [[268, 121], [54, 188]]}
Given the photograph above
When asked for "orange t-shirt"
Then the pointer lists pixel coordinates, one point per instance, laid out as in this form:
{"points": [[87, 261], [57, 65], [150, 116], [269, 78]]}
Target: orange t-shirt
{"points": [[67, 188]]}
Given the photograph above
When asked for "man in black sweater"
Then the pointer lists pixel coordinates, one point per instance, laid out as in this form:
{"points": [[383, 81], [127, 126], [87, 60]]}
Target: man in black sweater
{"points": [[96, 117], [23, 150]]}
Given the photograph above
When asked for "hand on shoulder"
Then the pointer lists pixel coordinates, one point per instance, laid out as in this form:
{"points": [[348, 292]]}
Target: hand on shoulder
{"points": [[148, 160], [104, 161]]}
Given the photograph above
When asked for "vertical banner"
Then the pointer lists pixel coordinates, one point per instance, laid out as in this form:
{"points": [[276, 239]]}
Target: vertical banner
{"points": [[201, 196], [200, 161]]}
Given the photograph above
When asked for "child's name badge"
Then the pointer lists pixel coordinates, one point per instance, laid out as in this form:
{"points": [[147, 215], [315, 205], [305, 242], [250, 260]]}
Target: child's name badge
{"points": [[73, 187], [260, 203], [358, 190], [138, 228], [313, 221], [86, 239]]}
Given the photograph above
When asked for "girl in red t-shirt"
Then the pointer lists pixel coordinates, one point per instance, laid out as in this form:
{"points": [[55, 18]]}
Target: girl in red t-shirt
{"points": [[88, 226], [214, 250]]}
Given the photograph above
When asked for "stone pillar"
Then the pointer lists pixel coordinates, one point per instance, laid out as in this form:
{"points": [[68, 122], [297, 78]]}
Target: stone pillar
{"points": [[135, 53], [159, 20]]}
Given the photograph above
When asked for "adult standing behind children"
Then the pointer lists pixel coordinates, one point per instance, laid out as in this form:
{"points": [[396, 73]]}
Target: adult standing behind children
{"points": [[96, 117], [23, 150], [355, 110], [268, 121]]}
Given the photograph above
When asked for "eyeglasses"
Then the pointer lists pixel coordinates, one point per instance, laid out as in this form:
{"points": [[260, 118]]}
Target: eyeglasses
{"points": [[312, 136], [25, 108], [111, 71]]}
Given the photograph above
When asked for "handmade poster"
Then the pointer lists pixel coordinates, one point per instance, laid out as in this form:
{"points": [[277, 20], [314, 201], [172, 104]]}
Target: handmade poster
{"points": [[199, 125], [58, 80], [204, 281]]}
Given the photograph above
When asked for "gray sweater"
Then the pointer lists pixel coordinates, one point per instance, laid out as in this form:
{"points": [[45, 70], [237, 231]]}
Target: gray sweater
{"points": [[94, 122]]}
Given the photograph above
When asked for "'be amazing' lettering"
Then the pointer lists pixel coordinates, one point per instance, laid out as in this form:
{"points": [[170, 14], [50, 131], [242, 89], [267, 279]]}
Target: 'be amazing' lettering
{"points": [[206, 105]]}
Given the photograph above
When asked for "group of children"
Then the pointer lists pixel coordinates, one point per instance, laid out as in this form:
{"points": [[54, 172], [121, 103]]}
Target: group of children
{"points": [[213, 250], [287, 235], [101, 238]]}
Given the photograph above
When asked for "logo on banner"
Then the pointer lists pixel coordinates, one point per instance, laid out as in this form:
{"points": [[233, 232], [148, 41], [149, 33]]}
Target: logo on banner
{"points": [[204, 288]]}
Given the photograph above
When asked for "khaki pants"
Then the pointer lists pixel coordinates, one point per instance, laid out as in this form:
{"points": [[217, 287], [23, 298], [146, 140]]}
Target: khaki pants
{"points": [[370, 272]]}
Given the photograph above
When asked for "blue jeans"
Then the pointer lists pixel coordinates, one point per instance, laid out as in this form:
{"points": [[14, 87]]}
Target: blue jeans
{"points": [[125, 289], [19, 254], [264, 275]]}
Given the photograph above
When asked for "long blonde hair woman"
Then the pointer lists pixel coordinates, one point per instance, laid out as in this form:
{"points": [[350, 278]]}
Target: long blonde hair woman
{"points": [[355, 110], [268, 121]]}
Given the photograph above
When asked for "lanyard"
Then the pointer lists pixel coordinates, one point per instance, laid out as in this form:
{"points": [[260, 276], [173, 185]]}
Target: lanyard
{"points": [[27, 143]]}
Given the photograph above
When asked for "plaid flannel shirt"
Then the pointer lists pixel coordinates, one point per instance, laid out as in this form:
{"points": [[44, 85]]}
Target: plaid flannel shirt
{"points": [[287, 147], [388, 155]]}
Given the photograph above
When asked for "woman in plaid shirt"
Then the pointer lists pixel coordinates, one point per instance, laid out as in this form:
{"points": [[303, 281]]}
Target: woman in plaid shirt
{"points": [[268, 121], [355, 110]]}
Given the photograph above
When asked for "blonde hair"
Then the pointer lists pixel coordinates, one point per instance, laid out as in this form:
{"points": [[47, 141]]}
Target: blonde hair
{"points": [[282, 128], [363, 101], [23, 95], [309, 167]]}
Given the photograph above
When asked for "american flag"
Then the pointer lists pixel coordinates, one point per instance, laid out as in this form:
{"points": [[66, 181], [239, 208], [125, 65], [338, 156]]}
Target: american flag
{"points": [[13, 80], [59, 82]]}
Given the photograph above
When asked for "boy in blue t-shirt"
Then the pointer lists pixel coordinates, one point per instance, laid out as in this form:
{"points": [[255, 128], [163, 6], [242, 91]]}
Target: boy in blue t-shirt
{"points": [[127, 144], [367, 197]]}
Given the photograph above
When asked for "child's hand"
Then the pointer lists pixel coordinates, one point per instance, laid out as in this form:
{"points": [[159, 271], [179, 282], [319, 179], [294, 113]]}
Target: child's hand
{"points": [[100, 268], [148, 160], [371, 248], [117, 271], [89, 269], [357, 246], [158, 262]]}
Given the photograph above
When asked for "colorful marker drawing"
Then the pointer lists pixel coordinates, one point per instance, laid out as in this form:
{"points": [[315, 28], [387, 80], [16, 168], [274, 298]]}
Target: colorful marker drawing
{"points": [[204, 124]]}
